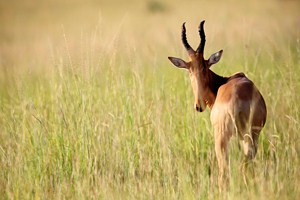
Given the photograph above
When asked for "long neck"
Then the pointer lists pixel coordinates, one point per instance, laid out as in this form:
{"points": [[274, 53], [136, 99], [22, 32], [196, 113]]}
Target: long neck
{"points": [[214, 82]]}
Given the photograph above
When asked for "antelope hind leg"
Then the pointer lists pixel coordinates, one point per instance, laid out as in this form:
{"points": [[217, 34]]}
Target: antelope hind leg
{"points": [[222, 138]]}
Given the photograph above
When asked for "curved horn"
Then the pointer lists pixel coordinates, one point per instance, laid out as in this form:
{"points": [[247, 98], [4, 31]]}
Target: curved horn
{"points": [[200, 49], [184, 40]]}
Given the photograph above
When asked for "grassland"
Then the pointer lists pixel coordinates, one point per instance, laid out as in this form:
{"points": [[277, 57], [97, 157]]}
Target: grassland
{"points": [[90, 107]]}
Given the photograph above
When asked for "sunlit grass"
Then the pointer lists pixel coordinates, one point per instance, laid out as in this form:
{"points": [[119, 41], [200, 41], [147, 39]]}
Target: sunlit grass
{"points": [[91, 108]]}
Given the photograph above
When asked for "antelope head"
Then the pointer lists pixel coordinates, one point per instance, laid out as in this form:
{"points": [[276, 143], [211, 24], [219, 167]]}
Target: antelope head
{"points": [[198, 68]]}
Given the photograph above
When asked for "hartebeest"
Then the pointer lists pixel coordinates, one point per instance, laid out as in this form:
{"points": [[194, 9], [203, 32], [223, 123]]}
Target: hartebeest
{"points": [[237, 107]]}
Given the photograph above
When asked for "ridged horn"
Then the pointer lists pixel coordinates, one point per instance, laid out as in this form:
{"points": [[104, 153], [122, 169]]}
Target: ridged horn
{"points": [[184, 40], [200, 48]]}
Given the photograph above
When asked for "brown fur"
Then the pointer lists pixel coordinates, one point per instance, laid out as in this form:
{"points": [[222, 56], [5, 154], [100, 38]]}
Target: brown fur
{"points": [[237, 107]]}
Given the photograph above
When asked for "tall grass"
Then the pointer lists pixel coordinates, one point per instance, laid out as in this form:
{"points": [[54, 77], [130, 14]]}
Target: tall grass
{"points": [[90, 107]]}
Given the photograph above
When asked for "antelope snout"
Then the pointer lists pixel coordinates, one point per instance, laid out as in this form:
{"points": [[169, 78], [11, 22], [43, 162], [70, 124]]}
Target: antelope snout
{"points": [[198, 108]]}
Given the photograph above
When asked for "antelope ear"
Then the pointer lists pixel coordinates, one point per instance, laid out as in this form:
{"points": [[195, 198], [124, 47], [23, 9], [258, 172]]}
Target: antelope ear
{"points": [[178, 62], [214, 58]]}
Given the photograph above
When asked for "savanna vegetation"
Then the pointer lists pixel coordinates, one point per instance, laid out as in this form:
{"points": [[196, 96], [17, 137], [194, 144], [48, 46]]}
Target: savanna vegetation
{"points": [[91, 108]]}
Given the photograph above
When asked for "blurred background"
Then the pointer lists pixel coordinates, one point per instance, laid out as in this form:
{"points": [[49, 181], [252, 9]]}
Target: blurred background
{"points": [[34, 33]]}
